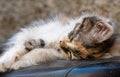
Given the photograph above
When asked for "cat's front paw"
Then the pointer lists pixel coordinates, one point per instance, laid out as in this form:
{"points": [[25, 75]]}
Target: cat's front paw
{"points": [[34, 43], [2, 67], [6, 64], [16, 65], [19, 64]]}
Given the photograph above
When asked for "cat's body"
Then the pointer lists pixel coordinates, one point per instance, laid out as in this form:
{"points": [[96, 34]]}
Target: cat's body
{"points": [[41, 42], [51, 32]]}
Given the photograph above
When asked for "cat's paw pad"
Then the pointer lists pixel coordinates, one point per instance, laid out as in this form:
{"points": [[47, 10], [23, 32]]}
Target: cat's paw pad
{"points": [[34, 43]]}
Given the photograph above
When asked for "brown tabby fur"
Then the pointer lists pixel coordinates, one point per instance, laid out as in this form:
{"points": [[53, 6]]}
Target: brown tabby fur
{"points": [[84, 50]]}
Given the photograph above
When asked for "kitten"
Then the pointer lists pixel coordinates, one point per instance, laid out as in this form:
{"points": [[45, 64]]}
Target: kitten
{"points": [[87, 36]]}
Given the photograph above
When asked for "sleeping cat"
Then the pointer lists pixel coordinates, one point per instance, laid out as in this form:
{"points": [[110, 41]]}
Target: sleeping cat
{"points": [[85, 37]]}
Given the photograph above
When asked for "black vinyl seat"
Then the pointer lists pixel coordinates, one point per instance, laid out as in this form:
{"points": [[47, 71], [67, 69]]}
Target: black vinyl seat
{"points": [[64, 68]]}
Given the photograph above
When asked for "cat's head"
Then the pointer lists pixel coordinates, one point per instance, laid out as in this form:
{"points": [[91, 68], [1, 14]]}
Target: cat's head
{"points": [[93, 32]]}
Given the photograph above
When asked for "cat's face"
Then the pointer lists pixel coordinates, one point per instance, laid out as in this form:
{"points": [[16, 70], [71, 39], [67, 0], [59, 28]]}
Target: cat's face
{"points": [[93, 30], [93, 33]]}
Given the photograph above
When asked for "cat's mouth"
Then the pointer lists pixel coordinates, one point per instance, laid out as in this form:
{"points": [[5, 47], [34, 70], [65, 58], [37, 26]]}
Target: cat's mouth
{"points": [[73, 51], [78, 51]]}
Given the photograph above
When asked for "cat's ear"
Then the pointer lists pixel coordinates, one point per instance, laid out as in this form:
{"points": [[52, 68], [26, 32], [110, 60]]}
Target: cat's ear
{"points": [[102, 31]]}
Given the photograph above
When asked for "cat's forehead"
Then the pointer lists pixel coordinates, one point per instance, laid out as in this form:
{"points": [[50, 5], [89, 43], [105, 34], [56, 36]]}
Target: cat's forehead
{"points": [[91, 20], [93, 17]]}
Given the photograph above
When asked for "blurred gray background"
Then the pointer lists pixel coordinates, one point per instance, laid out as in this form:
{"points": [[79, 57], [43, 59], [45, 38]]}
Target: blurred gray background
{"points": [[15, 14]]}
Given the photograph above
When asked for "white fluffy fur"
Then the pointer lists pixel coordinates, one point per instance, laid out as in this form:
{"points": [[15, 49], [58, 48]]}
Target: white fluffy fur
{"points": [[52, 31]]}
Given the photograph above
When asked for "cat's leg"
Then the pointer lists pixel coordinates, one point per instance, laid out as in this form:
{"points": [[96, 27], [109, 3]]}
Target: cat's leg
{"points": [[34, 43], [9, 57], [36, 56], [14, 53]]}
